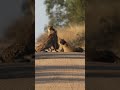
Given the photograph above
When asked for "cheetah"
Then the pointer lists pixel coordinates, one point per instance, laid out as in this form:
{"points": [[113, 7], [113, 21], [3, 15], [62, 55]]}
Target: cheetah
{"points": [[23, 44], [67, 48]]}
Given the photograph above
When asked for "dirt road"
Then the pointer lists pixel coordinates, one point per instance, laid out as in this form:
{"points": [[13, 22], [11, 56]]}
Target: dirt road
{"points": [[102, 76], [61, 71], [17, 76]]}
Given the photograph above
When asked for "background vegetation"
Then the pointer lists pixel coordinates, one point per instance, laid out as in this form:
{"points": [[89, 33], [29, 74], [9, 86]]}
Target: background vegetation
{"points": [[63, 12], [20, 30], [67, 16], [103, 26]]}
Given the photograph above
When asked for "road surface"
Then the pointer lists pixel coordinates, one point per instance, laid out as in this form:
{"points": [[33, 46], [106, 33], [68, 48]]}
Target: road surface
{"points": [[17, 76], [60, 71], [102, 76], [66, 71]]}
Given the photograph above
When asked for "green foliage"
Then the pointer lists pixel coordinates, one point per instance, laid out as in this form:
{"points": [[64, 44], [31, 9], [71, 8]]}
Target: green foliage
{"points": [[76, 10], [63, 12]]}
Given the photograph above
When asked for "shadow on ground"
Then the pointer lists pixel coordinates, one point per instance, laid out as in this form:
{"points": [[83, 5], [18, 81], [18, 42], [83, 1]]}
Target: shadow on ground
{"points": [[59, 74], [17, 70]]}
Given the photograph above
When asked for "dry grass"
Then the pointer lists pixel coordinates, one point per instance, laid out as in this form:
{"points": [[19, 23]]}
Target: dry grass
{"points": [[71, 32], [42, 38]]}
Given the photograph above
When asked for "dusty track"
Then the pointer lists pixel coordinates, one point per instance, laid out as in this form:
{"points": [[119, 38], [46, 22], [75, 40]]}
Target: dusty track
{"points": [[60, 71], [17, 76], [102, 76], [66, 71]]}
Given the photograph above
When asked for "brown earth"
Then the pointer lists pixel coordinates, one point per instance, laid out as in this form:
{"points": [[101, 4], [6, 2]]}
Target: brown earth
{"points": [[60, 74]]}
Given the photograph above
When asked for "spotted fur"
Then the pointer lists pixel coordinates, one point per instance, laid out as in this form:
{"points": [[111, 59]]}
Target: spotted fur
{"points": [[23, 44]]}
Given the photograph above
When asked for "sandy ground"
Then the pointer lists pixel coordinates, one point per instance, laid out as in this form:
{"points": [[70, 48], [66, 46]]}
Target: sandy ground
{"points": [[17, 84], [101, 83], [107, 76], [17, 76], [60, 74]]}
